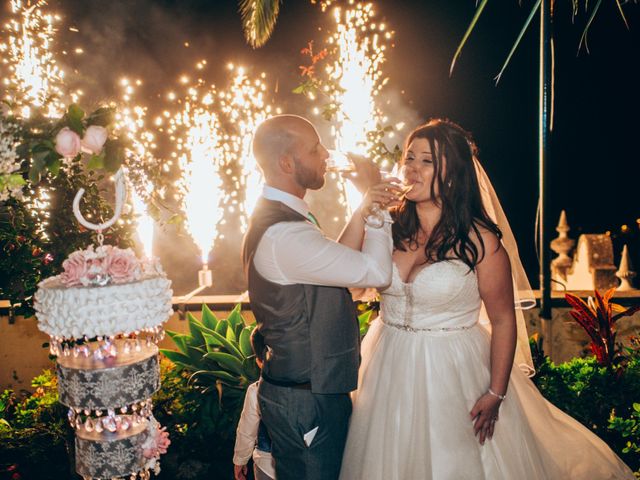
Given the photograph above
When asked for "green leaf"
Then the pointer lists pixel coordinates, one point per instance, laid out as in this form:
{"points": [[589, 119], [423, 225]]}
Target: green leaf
{"points": [[222, 327], [218, 375], [212, 343], [245, 341], [514, 47], [54, 162], [103, 117], [235, 317], [194, 329], [258, 20], [215, 375], [583, 38], [300, 89], [208, 317], [250, 369], [96, 162], [180, 340], [113, 155], [230, 347], [174, 356], [34, 175], [226, 361], [231, 335], [74, 118], [470, 28]]}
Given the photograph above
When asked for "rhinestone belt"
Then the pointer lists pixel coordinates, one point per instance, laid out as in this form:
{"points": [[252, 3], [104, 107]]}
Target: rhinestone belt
{"points": [[409, 328]]}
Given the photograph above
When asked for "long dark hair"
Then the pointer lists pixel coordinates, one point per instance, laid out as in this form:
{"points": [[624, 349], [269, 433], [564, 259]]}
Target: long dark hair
{"points": [[459, 198]]}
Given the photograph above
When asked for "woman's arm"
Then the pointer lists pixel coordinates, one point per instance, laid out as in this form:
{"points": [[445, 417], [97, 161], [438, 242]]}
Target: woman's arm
{"points": [[496, 290]]}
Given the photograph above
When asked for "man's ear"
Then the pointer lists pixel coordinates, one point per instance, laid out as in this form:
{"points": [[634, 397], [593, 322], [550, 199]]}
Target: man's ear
{"points": [[286, 163]]}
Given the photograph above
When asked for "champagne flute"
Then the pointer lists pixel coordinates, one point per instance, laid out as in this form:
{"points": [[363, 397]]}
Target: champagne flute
{"points": [[339, 162]]}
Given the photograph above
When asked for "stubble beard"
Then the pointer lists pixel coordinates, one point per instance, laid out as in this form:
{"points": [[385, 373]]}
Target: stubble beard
{"points": [[307, 178]]}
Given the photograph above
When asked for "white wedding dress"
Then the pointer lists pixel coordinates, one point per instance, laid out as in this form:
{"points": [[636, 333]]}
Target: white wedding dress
{"points": [[425, 362]]}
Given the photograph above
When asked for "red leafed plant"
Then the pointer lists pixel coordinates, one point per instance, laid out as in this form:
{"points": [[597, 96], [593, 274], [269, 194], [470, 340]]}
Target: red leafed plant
{"points": [[598, 317]]}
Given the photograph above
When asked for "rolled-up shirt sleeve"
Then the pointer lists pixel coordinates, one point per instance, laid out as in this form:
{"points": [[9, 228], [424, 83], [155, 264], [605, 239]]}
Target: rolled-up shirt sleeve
{"points": [[298, 252]]}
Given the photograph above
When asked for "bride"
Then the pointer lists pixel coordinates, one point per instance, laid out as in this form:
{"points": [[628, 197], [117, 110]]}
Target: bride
{"points": [[437, 395]]}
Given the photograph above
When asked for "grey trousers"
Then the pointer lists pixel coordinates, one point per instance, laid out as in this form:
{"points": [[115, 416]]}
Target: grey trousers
{"points": [[259, 474], [288, 414]]}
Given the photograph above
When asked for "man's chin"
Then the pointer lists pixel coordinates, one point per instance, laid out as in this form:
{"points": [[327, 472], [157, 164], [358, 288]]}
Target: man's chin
{"points": [[317, 185]]}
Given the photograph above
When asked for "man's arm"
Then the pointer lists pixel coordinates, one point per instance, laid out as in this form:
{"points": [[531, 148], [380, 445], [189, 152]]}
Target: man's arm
{"points": [[298, 252]]}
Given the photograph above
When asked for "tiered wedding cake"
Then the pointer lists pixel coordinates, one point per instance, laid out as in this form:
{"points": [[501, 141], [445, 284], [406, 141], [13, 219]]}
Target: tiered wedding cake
{"points": [[104, 315]]}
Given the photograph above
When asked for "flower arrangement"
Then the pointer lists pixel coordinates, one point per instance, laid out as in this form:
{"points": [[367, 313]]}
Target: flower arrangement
{"points": [[598, 317], [155, 445], [106, 264]]}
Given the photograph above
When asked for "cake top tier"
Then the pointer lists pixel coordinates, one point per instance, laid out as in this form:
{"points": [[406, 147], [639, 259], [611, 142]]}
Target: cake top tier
{"points": [[103, 291]]}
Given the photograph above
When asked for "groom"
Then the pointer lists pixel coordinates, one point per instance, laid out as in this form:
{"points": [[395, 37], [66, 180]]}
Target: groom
{"points": [[297, 279]]}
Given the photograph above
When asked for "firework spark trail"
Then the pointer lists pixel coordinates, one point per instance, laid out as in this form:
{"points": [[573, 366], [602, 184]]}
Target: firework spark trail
{"points": [[357, 71], [244, 106], [130, 123], [197, 134], [34, 78]]}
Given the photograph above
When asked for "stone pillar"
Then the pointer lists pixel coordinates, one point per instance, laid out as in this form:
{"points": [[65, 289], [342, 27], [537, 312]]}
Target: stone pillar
{"points": [[562, 246], [625, 272]]}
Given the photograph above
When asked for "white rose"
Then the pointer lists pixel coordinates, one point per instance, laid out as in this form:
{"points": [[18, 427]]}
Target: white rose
{"points": [[67, 143], [94, 138]]}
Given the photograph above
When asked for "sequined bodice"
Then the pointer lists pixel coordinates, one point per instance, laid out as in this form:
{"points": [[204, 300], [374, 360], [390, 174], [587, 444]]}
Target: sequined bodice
{"points": [[442, 295]]}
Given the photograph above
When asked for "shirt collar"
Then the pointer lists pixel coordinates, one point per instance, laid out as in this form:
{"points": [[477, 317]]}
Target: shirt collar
{"points": [[295, 203]]}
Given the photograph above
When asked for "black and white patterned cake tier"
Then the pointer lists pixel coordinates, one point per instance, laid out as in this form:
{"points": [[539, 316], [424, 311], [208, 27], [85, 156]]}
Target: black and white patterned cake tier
{"points": [[110, 383], [107, 455]]}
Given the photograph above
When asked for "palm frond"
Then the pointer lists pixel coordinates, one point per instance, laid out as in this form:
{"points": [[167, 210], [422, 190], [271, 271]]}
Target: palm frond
{"points": [[535, 8], [624, 19], [258, 20], [583, 38], [470, 28]]}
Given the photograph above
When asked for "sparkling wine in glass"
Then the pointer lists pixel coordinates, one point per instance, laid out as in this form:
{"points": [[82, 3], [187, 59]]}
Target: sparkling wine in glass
{"points": [[338, 162]]}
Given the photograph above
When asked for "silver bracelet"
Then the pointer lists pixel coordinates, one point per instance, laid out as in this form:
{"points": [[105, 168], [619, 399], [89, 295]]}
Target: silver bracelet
{"points": [[501, 397]]}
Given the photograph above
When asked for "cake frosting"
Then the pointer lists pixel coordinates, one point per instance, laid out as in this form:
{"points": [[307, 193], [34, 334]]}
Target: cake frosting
{"points": [[75, 312]]}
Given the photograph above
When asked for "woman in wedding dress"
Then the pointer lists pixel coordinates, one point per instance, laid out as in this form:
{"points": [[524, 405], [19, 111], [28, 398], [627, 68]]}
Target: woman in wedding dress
{"points": [[437, 396]]}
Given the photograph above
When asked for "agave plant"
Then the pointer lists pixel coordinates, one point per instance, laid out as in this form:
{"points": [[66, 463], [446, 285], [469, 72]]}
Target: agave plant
{"points": [[598, 318], [216, 353]]}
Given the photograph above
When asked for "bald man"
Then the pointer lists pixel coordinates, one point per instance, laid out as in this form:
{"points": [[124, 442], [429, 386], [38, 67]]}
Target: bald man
{"points": [[297, 279]]}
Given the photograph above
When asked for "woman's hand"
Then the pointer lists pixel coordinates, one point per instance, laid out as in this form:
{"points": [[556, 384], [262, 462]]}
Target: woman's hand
{"points": [[240, 472], [484, 415], [385, 194]]}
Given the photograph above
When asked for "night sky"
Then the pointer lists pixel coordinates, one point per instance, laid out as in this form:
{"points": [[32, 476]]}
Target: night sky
{"points": [[594, 173]]}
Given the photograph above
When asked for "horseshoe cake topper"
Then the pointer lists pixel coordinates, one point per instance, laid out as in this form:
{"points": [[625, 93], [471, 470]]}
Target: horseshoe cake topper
{"points": [[121, 194]]}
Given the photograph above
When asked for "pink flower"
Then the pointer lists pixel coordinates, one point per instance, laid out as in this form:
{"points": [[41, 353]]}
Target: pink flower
{"points": [[67, 143], [123, 266], [94, 138], [157, 443], [75, 268]]}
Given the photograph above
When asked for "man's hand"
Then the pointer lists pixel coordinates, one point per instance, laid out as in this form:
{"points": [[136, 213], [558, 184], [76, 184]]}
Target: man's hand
{"points": [[366, 174], [240, 472]]}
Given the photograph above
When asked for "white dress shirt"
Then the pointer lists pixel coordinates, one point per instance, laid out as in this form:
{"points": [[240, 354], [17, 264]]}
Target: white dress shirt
{"points": [[247, 435], [298, 252]]}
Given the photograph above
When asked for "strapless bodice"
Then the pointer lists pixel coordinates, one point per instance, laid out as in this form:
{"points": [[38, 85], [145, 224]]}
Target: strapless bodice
{"points": [[443, 295]]}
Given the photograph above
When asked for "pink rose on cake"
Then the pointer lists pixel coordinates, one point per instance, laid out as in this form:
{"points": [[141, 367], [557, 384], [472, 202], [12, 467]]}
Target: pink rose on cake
{"points": [[75, 268], [123, 266], [100, 266]]}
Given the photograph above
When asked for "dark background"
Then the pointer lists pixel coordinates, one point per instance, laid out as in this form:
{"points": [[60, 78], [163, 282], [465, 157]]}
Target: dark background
{"points": [[593, 172]]}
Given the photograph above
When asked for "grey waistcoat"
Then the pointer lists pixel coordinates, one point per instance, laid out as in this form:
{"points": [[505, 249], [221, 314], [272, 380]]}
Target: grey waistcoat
{"points": [[311, 331]]}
